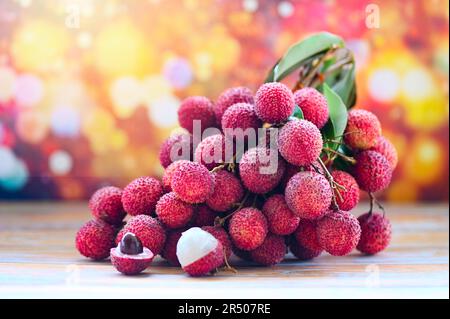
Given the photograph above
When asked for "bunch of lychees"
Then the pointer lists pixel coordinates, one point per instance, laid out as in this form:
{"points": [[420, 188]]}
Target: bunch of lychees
{"points": [[221, 194]]}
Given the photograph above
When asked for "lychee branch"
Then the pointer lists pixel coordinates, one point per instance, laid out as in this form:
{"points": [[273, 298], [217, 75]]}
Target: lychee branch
{"points": [[221, 221], [334, 185], [343, 156]]}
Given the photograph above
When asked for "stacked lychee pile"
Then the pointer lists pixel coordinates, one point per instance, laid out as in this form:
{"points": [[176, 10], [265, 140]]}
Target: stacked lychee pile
{"points": [[218, 199]]}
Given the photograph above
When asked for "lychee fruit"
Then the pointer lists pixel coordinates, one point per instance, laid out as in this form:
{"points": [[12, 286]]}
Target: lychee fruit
{"points": [[387, 149], [301, 252], [271, 251], [363, 130], [348, 196], [248, 228], [173, 212], [167, 176], [372, 171], [306, 235], [149, 231], [169, 251], [199, 252], [106, 204], [242, 254], [192, 182], [176, 147], [261, 169], [240, 116], [140, 196], [197, 108], [274, 102], [204, 216], [313, 105], [222, 236], [230, 97], [281, 220], [375, 233], [308, 195], [338, 232], [228, 191], [212, 151], [300, 142], [95, 239], [130, 257]]}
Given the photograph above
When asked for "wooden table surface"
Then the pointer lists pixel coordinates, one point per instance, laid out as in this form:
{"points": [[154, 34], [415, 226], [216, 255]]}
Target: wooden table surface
{"points": [[38, 259]]}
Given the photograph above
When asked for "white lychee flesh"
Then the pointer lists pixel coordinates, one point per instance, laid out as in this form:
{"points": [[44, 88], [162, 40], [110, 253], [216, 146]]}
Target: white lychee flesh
{"points": [[195, 244]]}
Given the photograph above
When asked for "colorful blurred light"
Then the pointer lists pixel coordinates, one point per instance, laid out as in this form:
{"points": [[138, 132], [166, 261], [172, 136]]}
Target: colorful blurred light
{"points": [[7, 84], [384, 85], [32, 126], [65, 121], [126, 95], [29, 90], [17, 177], [178, 72], [7, 160], [154, 87], [60, 162], [163, 111]]}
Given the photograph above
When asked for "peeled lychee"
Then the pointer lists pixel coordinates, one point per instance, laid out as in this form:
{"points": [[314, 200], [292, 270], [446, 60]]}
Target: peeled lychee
{"points": [[95, 239], [261, 169], [274, 102], [308, 195], [106, 204], [281, 220], [222, 236], [270, 252], [211, 151], [176, 147], [228, 191], [248, 228], [387, 149], [300, 142], [230, 97], [199, 252], [348, 196], [167, 177], [140, 196], [338, 232], [192, 182], [313, 105], [129, 257], [169, 251], [149, 231], [301, 252], [372, 171], [196, 108], [306, 235], [363, 129], [240, 116], [173, 212], [204, 216], [375, 233]]}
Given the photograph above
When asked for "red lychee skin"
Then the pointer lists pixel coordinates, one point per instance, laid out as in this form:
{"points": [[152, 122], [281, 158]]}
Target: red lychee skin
{"points": [[306, 235], [221, 235], [372, 171], [95, 239], [196, 108], [149, 231], [228, 191], [280, 219], [255, 160], [375, 233], [271, 251], [130, 264], [211, 151], [181, 141], [167, 177], [303, 253], [349, 196], [230, 97], [204, 216], [106, 204], [240, 115], [248, 228], [206, 264], [387, 149], [338, 232], [290, 171], [242, 254], [300, 142], [140, 196], [363, 129], [169, 251], [308, 195], [274, 102], [173, 212], [192, 182], [313, 105]]}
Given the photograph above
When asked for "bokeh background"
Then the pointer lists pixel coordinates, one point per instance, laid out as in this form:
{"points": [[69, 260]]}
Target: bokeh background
{"points": [[90, 88]]}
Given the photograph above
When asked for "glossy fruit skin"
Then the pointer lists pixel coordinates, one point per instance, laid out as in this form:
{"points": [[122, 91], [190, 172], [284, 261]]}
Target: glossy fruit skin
{"points": [[376, 232]]}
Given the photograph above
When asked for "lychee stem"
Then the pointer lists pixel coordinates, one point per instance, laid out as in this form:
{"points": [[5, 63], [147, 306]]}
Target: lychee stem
{"points": [[374, 200], [331, 181], [222, 220], [343, 156], [217, 168], [227, 265]]}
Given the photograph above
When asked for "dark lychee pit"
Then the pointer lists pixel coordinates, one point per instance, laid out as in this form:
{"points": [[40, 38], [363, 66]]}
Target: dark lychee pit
{"points": [[131, 245]]}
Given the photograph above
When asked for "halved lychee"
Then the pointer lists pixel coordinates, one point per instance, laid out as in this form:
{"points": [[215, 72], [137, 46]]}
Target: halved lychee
{"points": [[199, 252], [130, 257]]}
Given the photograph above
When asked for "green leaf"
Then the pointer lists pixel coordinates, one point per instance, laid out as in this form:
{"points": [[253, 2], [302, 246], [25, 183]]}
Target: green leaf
{"points": [[335, 127], [298, 113], [302, 51], [346, 87]]}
